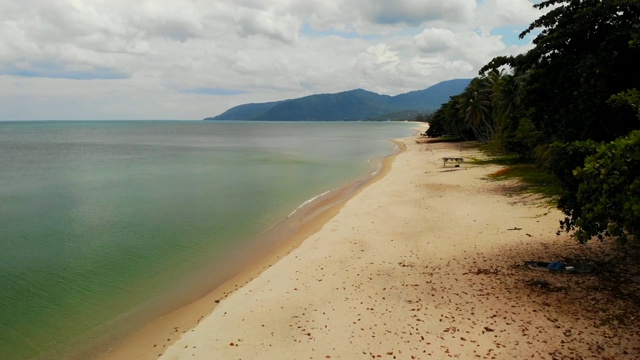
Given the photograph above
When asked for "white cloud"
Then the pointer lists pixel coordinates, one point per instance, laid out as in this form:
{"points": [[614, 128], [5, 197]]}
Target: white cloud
{"points": [[284, 27], [464, 45], [189, 59], [498, 13], [378, 57]]}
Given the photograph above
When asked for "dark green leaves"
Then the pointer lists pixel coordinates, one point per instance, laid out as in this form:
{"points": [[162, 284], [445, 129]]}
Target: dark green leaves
{"points": [[610, 179]]}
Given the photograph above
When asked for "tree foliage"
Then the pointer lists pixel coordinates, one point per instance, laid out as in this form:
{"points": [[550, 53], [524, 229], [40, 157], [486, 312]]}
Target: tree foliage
{"points": [[564, 159], [468, 115], [607, 200], [436, 125], [476, 110], [581, 58]]}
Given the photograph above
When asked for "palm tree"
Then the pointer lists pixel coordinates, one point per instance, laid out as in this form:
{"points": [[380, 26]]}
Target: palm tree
{"points": [[505, 96], [475, 106]]}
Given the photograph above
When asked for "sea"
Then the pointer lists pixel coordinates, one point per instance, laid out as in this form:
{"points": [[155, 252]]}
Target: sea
{"points": [[107, 225]]}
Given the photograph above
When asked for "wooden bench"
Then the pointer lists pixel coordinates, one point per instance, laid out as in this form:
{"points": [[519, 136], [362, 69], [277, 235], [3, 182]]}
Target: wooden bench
{"points": [[458, 160]]}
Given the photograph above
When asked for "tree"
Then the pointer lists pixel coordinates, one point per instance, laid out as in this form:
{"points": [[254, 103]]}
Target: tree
{"points": [[607, 200], [475, 109], [601, 182], [584, 54], [576, 90], [436, 124], [514, 131]]}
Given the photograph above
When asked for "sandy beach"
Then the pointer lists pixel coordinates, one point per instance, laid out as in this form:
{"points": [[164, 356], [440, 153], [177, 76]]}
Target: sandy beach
{"points": [[426, 262]]}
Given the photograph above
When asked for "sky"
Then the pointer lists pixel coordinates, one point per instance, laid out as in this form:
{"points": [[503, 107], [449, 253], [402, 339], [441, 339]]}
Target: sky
{"points": [[190, 59]]}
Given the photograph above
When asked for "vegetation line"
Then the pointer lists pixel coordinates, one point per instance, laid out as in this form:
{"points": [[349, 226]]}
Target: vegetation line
{"points": [[566, 114]]}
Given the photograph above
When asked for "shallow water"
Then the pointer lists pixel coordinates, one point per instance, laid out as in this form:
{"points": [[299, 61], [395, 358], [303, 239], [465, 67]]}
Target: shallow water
{"points": [[101, 222]]}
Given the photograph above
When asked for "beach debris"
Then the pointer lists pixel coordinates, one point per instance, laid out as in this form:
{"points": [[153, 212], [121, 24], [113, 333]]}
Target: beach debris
{"points": [[560, 267]]}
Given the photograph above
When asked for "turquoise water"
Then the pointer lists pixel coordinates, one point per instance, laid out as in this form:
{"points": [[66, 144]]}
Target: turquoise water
{"points": [[102, 222]]}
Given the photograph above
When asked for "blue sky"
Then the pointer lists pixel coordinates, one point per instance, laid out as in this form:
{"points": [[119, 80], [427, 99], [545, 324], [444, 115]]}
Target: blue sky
{"points": [[189, 59]]}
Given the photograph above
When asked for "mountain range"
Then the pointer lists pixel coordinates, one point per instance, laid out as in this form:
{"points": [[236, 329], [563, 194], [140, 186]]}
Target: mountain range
{"points": [[355, 104]]}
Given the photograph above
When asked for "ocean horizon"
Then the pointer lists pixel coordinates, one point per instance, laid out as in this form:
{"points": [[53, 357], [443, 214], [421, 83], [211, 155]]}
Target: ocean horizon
{"points": [[107, 225]]}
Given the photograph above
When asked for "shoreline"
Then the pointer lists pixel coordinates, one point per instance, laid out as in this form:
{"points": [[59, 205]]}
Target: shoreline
{"points": [[428, 261], [283, 238]]}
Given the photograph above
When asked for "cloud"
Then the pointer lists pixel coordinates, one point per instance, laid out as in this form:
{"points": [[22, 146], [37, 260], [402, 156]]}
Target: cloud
{"points": [[378, 57], [195, 58], [461, 45], [499, 13], [262, 23], [435, 40], [174, 20], [214, 91]]}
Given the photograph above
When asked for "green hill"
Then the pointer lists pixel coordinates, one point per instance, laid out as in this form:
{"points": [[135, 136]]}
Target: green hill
{"points": [[356, 104]]}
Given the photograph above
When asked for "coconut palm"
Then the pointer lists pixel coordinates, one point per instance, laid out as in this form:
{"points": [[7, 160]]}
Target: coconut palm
{"points": [[475, 107]]}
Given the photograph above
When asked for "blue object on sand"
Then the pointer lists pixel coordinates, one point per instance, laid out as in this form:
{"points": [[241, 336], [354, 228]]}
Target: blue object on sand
{"points": [[560, 267], [556, 265]]}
